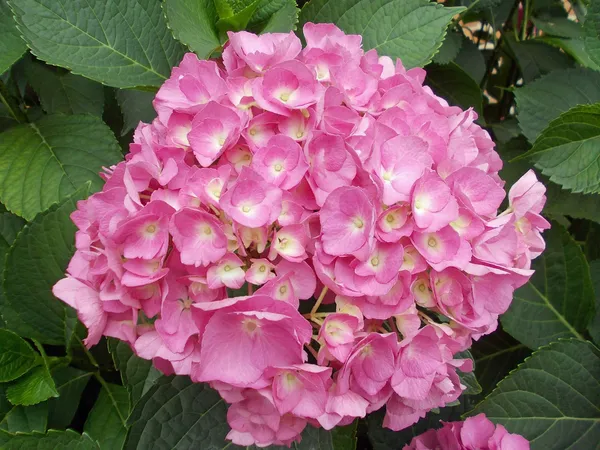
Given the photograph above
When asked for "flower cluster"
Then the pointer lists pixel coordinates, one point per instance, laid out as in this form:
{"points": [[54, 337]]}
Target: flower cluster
{"points": [[475, 433], [354, 210]]}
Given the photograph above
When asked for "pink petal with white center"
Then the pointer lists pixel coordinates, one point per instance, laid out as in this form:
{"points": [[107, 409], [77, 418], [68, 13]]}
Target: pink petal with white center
{"points": [[394, 223], [298, 124], [254, 238], [290, 243], [331, 165], [227, 272], [238, 157], [261, 128], [347, 221], [207, 185], [281, 162], [438, 246], [432, 203], [280, 288], [260, 272], [262, 340], [302, 277], [252, 202], [214, 130], [289, 85], [198, 236], [402, 164], [146, 234], [383, 263]]}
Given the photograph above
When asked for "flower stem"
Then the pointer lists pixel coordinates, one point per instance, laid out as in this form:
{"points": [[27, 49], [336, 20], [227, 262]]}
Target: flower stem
{"points": [[319, 300]]}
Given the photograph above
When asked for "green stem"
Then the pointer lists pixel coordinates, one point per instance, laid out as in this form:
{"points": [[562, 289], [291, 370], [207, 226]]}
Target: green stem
{"points": [[11, 105], [87, 352]]}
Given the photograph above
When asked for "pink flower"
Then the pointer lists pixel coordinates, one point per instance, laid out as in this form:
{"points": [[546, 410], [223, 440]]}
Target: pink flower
{"points": [[260, 271], [347, 222], [214, 130], [476, 190], [301, 389], [287, 86], [281, 162], [290, 243], [267, 332], [228, 272], [260, 52], [87, 303], [331, 165], [337, 335], [256, 420], [192, 84], [146, 235], [477, 432], [250, 201], [198, 236], [370, 364], [433, 205], [527, 195]]}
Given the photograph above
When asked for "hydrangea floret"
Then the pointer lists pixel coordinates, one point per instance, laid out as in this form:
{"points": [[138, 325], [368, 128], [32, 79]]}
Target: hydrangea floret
{"points": [[475, 433], [310, 230]]}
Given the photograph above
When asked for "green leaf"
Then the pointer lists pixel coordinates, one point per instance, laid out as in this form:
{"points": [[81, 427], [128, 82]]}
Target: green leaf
{"points": [[558, 300], [138, 374], [471, 60], [450, 48], [70, 383], [552, 398], [197, 23], [591, 31], [11, 44], [455, 85], [537, 58], [54, 439], [178, 414], [343, 438], [35, 262], [568, 150], [545, 99], [594, 326], [62, 92], [194, 23], [136, 107], [495, 356], [16, 356], [558, 26], [106, 423], [236, 20], [468, 378], [43, 162], [573, 47], [411, 30], [35, 387], [274, 16], [23, 419], [122, 43], [559, 202], [10, 225]]}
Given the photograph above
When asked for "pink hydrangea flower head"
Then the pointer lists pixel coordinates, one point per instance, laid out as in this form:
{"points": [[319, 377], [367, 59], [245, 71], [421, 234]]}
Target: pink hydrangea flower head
{"points": [[325, 180]]}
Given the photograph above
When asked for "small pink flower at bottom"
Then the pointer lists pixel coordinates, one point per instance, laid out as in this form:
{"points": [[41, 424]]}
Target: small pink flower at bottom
{"points": [[477, 432]]}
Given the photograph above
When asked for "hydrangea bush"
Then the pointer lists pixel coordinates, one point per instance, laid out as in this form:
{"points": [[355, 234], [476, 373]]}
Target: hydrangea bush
{"points": [[280, 174], [307, 224]]}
